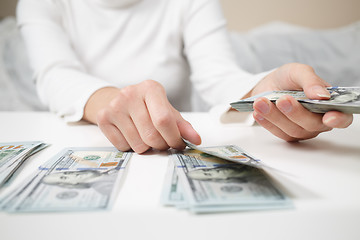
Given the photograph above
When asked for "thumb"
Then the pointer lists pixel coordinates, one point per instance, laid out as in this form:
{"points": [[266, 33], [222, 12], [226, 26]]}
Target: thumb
{"points": [[316, 91], [313, 86]]}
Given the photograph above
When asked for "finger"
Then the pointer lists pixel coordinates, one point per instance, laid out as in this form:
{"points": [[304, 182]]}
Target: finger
{"points": [[148, 133], [272, 128], [129, 131], [264, 108], [336, 119], [296, 113], [121, 120], [305, 77], [112, 133], [187, 131], [115, 137], [162, 116]]}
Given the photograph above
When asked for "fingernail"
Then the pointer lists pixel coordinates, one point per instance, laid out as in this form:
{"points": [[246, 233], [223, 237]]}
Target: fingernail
{"points": [[330, 121], [321, 92], [262, 106], [284, 105], [258, 117]]}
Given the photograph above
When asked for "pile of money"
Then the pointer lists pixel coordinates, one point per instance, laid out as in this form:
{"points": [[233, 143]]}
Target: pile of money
{"points": [[13, 155], [343, 99], [202, 180], [77, 179]]}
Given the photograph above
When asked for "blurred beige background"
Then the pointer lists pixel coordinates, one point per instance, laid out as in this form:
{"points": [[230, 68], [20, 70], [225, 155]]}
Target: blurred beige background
{"points": [[7, 7], [246, 14]]}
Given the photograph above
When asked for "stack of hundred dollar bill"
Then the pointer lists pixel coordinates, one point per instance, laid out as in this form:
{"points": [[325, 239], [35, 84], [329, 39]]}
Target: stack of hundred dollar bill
{"points": [[76, 179], [13, 155], [343, 99], [219, 179]]}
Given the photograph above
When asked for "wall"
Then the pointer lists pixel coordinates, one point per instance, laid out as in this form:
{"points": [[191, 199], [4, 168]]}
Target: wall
{"points": [[245, 14], [7, 7]]}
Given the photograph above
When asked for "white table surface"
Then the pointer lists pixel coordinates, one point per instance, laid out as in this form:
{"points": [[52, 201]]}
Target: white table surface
{"points": [[323, 181]]}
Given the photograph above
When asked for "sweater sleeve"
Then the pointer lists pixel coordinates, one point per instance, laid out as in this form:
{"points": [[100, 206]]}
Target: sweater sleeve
{"points": [[214, 71], [62, 81]]}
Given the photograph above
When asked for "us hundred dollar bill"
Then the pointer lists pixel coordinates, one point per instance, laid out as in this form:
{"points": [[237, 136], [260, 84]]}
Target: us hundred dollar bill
{"points": [[13, 155], [172, 193], [228, 152], [343, 99], [210, 184], [77, 179]]}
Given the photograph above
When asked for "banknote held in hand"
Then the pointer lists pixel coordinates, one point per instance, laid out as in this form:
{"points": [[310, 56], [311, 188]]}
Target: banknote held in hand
{"points": [[343, 99]]}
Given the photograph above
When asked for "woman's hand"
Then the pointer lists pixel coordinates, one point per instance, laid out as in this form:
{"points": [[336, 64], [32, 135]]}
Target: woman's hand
{"points": [[139, 117], [288, 119]]}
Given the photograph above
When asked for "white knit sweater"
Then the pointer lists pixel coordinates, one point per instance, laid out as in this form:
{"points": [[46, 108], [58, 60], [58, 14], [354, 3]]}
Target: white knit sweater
{"points": [[79, 46]]}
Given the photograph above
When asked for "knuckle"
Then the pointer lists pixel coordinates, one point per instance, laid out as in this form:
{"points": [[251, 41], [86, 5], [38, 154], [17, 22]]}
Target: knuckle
{"points": [[302, 67], [115, 104], [163, 119], [153, 85], [127, 93], [102, 117], [127, 130], [150, 82], [298, 69], [151, 136], [307, 67], [125, 96]]}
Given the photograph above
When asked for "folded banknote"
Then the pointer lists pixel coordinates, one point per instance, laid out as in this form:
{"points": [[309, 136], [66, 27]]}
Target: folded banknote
{"points": [[228, 152], [343, 99], [13, 155]]}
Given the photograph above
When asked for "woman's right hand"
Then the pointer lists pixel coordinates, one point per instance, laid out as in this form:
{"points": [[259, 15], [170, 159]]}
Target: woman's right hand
{"points": [[139, 117]]}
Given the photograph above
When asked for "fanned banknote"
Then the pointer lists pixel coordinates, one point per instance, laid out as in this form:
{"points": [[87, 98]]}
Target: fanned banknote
{"points": [[343, 99], [228, 152], [210, 184], [77, 179], [13, 154]]}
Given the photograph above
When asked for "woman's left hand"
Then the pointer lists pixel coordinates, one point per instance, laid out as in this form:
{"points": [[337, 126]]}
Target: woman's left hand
{"points": [[288, 119]]}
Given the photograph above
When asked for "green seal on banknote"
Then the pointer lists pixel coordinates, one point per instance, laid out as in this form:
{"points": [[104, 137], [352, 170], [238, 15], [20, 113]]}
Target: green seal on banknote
{"points": [[92, 157]]}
